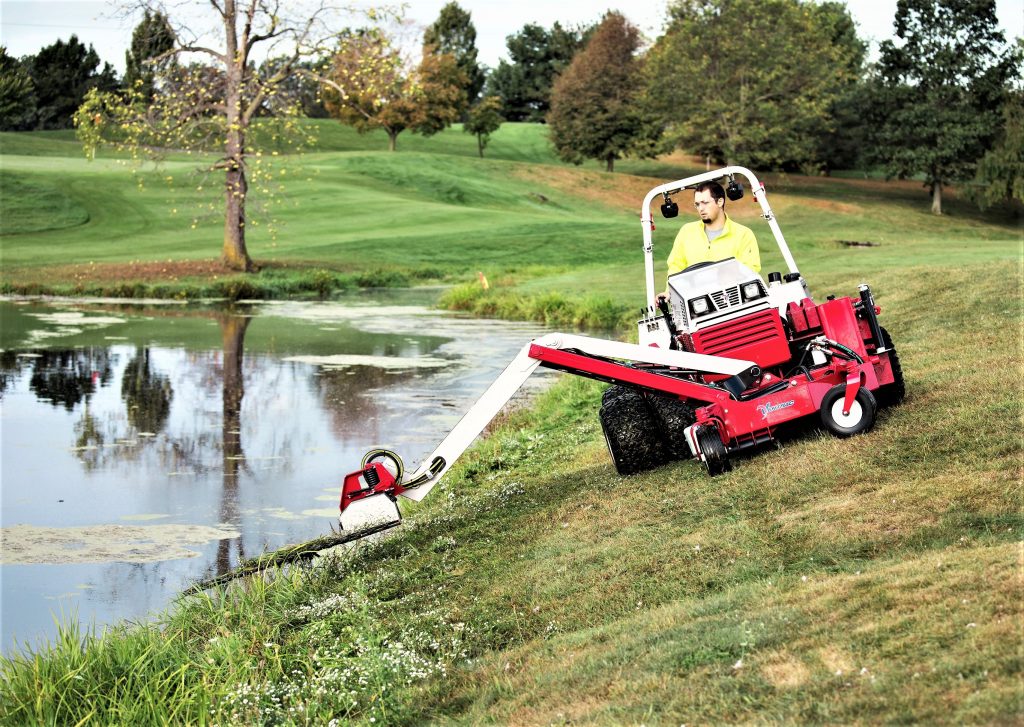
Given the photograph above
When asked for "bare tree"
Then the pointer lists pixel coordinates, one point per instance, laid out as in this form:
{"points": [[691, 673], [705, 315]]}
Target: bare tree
{"points": [[212, 101]]}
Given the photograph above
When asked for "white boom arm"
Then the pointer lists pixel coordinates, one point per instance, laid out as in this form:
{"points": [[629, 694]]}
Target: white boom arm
{"points": [[670, 188], [516, 374]]}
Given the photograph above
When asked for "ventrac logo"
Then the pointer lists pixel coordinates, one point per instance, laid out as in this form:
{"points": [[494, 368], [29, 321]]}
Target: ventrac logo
{"points": [[767, 409]]}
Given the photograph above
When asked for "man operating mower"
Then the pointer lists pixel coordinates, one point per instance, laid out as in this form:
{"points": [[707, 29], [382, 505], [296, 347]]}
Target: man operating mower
{"points": [[715, 237]]}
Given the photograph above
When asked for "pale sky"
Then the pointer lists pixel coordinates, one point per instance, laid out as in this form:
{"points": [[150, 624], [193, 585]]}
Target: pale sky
{"points": [[26, 26]]}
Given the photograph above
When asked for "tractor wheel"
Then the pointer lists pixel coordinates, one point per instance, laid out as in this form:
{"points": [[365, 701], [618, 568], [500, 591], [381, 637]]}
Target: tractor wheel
{"points": [[614, 392], [631, 433], [716, 456], [674, 416], [892, 394], [861, 416]]}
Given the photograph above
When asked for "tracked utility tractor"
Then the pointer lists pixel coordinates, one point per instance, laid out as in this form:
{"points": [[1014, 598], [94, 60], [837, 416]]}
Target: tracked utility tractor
{"points": [[723, 365]]}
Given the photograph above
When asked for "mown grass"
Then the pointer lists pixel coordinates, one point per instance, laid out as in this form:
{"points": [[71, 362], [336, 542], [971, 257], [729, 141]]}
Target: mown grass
{"points": [[873, 579], [517, 215]]}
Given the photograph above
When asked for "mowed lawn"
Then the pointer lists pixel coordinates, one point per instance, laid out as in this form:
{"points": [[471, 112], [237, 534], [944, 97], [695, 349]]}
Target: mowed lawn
{"points": [[518, 215]]}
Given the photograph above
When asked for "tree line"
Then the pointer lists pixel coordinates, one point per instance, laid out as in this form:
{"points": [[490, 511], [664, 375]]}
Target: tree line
{"points": [[771, 84]]}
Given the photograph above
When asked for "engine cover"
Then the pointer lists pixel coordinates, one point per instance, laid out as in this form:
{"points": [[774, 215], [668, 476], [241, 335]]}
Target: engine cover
{"points": [[724, 309], [757, 337]]}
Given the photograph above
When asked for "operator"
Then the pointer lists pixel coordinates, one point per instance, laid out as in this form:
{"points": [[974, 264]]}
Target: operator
{"points": [[715, 237]]}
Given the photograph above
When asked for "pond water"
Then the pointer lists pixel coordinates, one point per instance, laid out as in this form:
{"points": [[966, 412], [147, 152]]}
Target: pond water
{"points": [[148, 445]]}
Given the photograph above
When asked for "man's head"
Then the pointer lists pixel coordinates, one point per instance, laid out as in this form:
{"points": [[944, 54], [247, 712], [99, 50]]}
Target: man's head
{"points": [[709, 199]]}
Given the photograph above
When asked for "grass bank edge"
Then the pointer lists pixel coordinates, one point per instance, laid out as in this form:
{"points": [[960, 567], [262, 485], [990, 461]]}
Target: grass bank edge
{"points": [[269, 283]]}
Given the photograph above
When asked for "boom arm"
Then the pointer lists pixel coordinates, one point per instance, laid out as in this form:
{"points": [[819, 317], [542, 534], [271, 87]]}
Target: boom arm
{"points": [[590, 357]]}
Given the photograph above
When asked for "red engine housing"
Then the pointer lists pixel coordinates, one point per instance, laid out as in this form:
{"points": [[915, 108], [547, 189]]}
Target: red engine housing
{"points": [[758, 337]]}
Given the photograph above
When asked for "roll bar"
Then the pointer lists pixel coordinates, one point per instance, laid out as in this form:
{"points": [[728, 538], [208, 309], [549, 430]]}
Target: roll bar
{"points": [[757, 189]]}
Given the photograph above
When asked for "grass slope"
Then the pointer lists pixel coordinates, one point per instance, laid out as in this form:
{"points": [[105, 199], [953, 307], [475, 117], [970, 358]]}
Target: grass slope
{"points": [[873, 579]]}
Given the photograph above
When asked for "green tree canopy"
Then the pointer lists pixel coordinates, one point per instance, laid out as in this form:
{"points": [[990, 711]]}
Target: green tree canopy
{"points": [[150, 53], [369, 86], [594, 110], [453, 33], [537, 57], [483, 119], [748, 81], [1000, 174], [17, 97], [842, 143], [940, 84], [62, 74]]}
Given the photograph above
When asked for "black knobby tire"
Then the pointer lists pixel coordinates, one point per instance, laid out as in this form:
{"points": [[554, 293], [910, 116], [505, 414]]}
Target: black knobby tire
{"points": [[614, 392], [894, 393], [673, 416], [861, 416], [716, 456], [631, 432]]}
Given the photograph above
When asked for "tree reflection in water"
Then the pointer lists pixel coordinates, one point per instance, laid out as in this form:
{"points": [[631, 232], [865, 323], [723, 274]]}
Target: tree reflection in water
{"points": [[67, 377], [232, 331], [147, 394], [200, 398]]}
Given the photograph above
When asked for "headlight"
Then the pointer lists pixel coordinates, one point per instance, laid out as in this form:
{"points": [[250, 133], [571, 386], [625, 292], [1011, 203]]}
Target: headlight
{"points": [[700, 306], [751, 291]]}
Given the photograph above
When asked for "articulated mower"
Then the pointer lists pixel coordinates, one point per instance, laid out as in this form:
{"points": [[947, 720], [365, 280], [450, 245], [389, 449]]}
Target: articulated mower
{"points": [[723, 364]]}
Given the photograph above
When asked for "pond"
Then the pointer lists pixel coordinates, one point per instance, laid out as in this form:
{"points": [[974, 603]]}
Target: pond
{"points": [[147, 445]]}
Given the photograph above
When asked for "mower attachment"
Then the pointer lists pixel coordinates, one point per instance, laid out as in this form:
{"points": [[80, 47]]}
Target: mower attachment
{"points": [[380, 475]]}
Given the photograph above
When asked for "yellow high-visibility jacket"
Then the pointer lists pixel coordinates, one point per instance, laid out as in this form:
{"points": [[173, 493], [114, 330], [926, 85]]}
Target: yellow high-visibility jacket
{"points": [[692, 246]]}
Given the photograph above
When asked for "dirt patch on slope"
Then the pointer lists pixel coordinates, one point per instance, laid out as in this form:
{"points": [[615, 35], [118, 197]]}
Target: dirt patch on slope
{"points": [[621, 191]]}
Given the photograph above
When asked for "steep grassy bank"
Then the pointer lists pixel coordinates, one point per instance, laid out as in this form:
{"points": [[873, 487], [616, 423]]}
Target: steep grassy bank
{"points": [[862, 580]]}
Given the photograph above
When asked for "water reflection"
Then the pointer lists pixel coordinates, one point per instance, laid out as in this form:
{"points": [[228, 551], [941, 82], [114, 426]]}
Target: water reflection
{"points": [[147, 394], [232, 331], [161, 417], [65, 378]]}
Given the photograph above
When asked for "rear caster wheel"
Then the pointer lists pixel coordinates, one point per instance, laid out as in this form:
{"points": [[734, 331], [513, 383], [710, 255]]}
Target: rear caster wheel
{"points": [[860, 417], [631, 432], [716, 456]]}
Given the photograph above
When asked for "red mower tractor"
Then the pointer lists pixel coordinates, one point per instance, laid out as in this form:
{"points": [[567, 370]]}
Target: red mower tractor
{"points": [[722, 366]]}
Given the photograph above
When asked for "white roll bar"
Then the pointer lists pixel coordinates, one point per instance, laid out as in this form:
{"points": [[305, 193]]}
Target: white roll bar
{"points": [[646, 221]]}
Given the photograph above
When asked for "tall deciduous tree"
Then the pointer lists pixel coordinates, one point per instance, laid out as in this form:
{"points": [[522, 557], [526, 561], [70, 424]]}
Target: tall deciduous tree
{"points": [[1000, 174], [17, 100], [216, 104], [749, 81], [371, 86], [537, 57], [594, 111], [453, 33], [843, 138], [62, 74], [941, 83], [152, 41], [483, 120]]}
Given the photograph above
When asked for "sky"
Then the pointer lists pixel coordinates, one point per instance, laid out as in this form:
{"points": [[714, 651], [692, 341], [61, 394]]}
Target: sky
{"points": [[26, 26]]}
